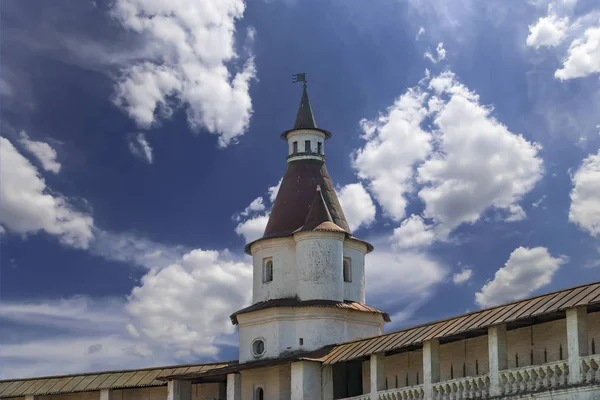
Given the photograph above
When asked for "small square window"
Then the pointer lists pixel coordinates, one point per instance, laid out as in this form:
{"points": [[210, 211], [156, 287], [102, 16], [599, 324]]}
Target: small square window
{"points": [[347, 269], [267, 270]]}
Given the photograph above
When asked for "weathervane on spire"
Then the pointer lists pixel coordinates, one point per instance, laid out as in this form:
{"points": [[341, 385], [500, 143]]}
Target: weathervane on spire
{"points": [[299, 78]]}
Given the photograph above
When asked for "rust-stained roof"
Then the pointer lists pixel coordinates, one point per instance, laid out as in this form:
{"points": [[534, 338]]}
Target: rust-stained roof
{"points": [[522, 310], [295, 197], [146, 377], [294, 302]]}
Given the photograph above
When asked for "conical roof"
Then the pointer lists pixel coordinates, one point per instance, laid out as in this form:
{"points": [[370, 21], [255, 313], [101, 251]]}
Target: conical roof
{"points": [[305, 118]]}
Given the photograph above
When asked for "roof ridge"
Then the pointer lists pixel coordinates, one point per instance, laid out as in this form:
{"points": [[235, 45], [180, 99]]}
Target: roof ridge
{"points": [[116, 371], [469, 313]]}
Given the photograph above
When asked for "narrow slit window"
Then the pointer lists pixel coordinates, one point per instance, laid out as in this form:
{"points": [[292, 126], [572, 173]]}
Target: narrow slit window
{"points": [[307, 146], [319, 148], [268, 270], [294, 147], [347, 265]]}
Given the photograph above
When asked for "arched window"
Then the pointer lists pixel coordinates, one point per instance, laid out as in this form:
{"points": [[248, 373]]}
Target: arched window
{"points": [[347, 270], [267, 270], [260, 394]]}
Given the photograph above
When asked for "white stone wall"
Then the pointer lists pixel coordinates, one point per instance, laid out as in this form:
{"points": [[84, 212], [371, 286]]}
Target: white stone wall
{"points": [[282, 328], [549, 336], [283, 253], [319, 257], [306, 380], [275, 381], [204, 391], [470, 355], [355, 290], [301, 136]]}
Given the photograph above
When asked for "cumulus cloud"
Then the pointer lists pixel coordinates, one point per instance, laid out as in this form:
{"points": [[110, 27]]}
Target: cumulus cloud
{"points": [[440, 54], [357, 205], [45, 153], [395, 142], [463, 276], [548, 31], [28, 207], [585, 196], [526, 271], [139, 147], [186, 306], [195, 47], [478, 163], [583, 57], [413, 233]]}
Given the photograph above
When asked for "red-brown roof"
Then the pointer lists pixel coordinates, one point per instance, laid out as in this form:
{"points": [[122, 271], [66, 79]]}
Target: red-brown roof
{"points": [[296, 195], [294, 302]]}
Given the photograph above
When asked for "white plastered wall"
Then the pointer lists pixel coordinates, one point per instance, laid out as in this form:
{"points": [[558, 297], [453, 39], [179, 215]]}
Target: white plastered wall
{"points": [[319, 257], [283, 253], [281, 328], [355, 290], [301, 136], [399, 367], [275, 381]]}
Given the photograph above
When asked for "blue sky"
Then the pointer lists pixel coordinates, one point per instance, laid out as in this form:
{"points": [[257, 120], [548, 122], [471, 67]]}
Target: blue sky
{"points": [[140, 150]]}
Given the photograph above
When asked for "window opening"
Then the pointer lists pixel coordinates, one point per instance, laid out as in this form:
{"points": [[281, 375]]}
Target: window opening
{"points": [[301, 341], [294, 147], [476, 367], [516, 360], [319, 149], [307, 146], [258, 347], [593, 346], [260, 394], [347, 270], [451, 371], [268, 271], [464, 370], [545, 356], [417, 378]]}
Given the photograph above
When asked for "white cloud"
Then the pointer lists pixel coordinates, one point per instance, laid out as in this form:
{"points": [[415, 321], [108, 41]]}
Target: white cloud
{"points": [[440, 52], [420, 33], [139, 147], [413, 233], [357, 205], [583, 57], [515, 213], [526, 271], [585, 196], [410, 276], [461, 277], [186, 306], [257, 205], [252, 228], [45, 154], [548, 31], [27, 207], [478, 163], [195, 44], [395, 142], [273, 190]]}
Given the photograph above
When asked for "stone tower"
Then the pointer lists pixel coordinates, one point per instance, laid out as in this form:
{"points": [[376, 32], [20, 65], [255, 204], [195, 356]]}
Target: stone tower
{"points": [[309, 271]]}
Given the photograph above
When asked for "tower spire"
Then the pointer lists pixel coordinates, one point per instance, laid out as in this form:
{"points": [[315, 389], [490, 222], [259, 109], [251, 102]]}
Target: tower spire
{"points": [[305, 118]]}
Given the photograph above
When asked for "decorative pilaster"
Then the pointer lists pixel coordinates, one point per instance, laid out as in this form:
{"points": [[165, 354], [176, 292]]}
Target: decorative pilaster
{"points": [[377, 374], [106, 394], [327, 382], [577, 341], [498, 358], [234, 386], [178, 389], [306, 380], [431, 366]]}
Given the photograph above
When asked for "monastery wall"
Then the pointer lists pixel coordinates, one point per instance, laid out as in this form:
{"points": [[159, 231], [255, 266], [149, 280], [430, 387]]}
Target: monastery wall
{"points": [[275, 381], [355, 290]]}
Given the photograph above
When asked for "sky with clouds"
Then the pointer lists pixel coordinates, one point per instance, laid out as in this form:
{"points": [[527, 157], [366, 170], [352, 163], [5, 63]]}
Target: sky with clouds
{"points": [[140, 151]]}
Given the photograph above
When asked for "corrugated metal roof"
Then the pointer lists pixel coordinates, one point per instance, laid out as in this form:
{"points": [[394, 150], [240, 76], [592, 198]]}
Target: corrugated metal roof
{"points": [[293, 302], [516, 311], [95, 381]]}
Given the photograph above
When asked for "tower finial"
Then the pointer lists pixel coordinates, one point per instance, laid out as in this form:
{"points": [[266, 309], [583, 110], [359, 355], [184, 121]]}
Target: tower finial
{"points": [[305, 117]]}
